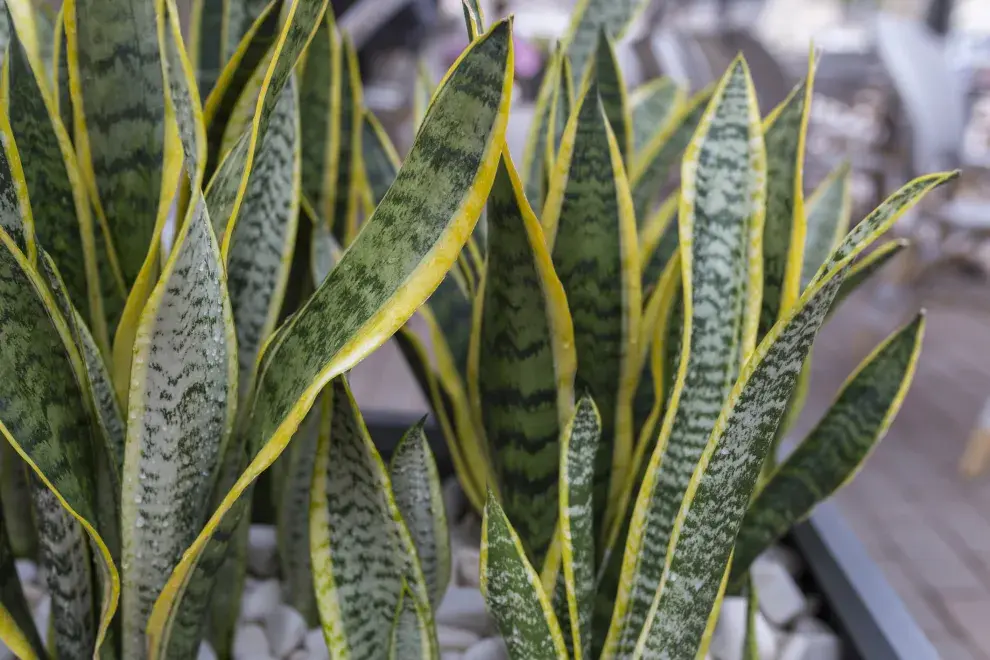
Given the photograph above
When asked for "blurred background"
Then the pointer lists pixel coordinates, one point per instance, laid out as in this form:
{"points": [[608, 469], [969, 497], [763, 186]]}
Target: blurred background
{"points": [[903, 88]]}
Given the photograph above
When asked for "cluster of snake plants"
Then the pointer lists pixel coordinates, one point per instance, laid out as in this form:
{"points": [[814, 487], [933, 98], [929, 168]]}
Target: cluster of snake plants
{"points": [[159, 348], [626, 338]]}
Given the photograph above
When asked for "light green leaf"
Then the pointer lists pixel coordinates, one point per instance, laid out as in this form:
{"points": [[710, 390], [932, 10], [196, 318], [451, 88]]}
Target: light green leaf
{"points": [[721, 222], [397, 259], [181, 410], [612, 92], [653, 105], [522, 363], [653, 162], [834, 451], [590, 16], [591, 233], [512, 589], [785, 133], [119, 108], [829, 209], [416, 486], [579, 445], [17, 630], [410, 630], [362, 552], [265, 235]]}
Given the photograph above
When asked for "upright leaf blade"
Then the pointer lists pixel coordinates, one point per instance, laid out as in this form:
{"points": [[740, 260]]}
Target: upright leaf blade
{"points": [[720, 225], [340, 201], [522, 362], [829, 209], [612, 92], [410, 630], [653, 105], [535, 155], [836, 448], [514, 593], [416, 486], [206, 41], [320, 113], [381, 162], [590, 16]]}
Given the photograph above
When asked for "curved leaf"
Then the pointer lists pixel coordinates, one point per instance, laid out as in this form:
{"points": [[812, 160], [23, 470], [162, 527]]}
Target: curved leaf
{"points": [[834, 451], [721, 222], [361, 550], [513, 591], [861, 271], [590, 16], [829, 209], [416, 486], [522, 363], [410, 630], [653, 105], [474, 18], [397, 259], [591, 233]]}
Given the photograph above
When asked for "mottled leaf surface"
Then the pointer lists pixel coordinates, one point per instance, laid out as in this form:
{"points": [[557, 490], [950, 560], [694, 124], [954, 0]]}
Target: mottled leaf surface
{"points": [[523, 362], [828, 209], [534, 162], [410, 631], [652, 106], [513, 592], [863, 269], [612, 92], [587, 19]]}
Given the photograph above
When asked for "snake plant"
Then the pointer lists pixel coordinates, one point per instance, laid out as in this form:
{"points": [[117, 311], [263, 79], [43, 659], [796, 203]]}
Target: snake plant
{"points": [[159, 347]]}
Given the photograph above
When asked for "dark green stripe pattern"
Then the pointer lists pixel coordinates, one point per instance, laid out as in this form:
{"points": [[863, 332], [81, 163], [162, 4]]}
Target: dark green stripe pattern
{"points": [[612, 92], [516, 371], [835, 449]]}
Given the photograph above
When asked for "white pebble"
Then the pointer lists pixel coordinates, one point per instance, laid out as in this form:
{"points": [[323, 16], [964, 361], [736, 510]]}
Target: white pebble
{"points": [[316, 644], [467, 567], [812, 646], [781, 600], [492, 648], [206, 652], [730, 632], [451, 655], [455, 639], [812, 625], [250, 643], [785, 556], [256, 604], [27, 571], [262, 559], [286, 630], [299, 654], [464, 608]]}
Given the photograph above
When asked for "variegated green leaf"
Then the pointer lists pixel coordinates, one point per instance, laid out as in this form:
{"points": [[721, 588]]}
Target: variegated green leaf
{"points": [[182, 403], [721, 221], [560, 112], [612, 92], [591, 233], [653, 105], [293, 513], [579, 441], [240, 16], [44, 414], [62, 97], [381, 162], [362, 552], [590, 16], [784, 230], [522, 363], [184, 96], [410, 630], [658, 241], [397, 259], [513, 591], [15, 209], [534, 162], [17, 630], [119, 108], [340, 201], [653, 162], [863, 269], [828, 209], [261, 247], [416, 485], [206, 40], [834, 451]]}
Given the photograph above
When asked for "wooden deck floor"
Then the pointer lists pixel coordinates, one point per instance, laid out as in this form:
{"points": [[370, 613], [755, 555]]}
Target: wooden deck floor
{"points": [[926, 527]]}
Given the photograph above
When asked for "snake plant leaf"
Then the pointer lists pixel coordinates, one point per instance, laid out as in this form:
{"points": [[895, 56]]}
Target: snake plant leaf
{"points": [[579, 441], [720, 224], [60, 210], [362, 552], [837, 447], [181, 410], [241, 15], [381, 162], [590, 16], [535, 154], [416, 486], [207, 42], [184, 97], [591, 233], [658, 241], [653, 162], [828, 209], [227, 190], [255, 48], [410, 637], [612, 92], [863, 269], [397, 259], [423, 87], [62, 96], [44, 415], [17, 629], [785, 133], [653, 105], [16, 218], [122, 168], [522, 363], [264, 236], [474, 18], [560, 112], [513, 592], [15, 503], [340, 202]]}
